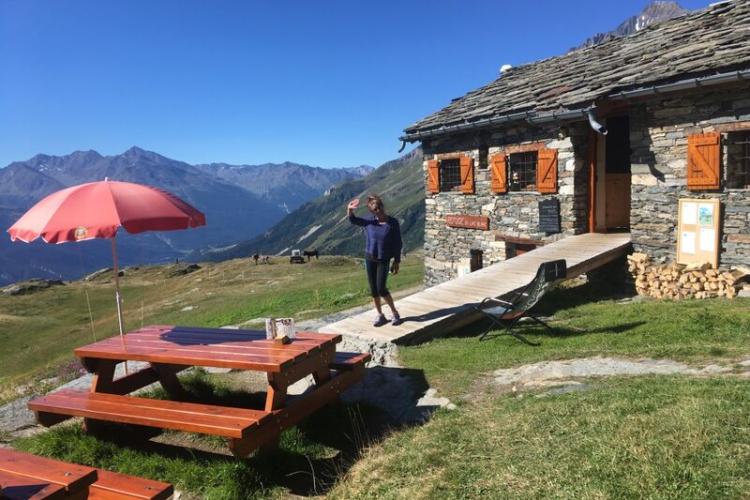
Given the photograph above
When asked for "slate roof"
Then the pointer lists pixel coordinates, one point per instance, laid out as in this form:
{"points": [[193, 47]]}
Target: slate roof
{"points": [[705, 42]]}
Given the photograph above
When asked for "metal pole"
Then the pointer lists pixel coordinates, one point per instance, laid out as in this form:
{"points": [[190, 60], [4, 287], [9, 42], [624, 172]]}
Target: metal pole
{"points": [[118, 299]]}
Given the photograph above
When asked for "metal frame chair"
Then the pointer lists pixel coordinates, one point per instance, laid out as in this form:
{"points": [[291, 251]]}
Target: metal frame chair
{"points": [[507, 314]]}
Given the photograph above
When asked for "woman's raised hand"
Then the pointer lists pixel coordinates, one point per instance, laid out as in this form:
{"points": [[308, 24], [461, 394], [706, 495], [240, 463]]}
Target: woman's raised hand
{"points": [[353, 204]]}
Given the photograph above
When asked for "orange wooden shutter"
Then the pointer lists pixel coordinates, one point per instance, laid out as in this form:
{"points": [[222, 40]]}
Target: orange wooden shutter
{"points": [[546, 171], [467, 174], [433, 176], [499, 174], [703, 161]]}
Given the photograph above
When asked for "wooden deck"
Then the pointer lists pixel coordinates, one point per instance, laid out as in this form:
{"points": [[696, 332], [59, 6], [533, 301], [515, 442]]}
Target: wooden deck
{"points": [[447, 306]]}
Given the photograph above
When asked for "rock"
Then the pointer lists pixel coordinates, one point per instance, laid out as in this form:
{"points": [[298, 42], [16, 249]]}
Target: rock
{"points": [[30, 286], [100, 273], [182, 269]]}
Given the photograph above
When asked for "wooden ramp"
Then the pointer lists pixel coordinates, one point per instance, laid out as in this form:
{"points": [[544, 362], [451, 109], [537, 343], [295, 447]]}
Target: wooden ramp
{"points": [[448, 306]]}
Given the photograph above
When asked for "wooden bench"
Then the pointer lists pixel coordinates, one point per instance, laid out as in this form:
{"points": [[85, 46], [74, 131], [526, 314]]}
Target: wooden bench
{"points": [[115, 486], [176, 415], [349, 360], [24, 476]]}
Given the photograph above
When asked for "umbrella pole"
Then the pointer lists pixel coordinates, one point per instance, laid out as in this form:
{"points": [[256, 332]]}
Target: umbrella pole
{"points": [[118, 299]]}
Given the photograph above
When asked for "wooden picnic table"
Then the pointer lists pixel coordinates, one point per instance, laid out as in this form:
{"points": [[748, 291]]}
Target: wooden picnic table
{"points": [[170, 349]]}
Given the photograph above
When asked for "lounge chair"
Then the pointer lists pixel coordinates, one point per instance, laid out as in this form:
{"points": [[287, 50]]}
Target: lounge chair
{"points": [[507, 313]]}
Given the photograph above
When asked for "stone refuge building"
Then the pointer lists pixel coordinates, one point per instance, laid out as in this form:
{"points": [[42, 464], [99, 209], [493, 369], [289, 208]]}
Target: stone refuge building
{"points": [[523, 161]]}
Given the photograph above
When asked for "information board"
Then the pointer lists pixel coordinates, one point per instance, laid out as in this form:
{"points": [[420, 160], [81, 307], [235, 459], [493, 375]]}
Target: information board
{"points": [[698, 231], [549, 216]]}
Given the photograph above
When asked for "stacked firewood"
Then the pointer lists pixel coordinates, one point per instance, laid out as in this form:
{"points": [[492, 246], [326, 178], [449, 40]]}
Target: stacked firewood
{"points": [[679, 281]]}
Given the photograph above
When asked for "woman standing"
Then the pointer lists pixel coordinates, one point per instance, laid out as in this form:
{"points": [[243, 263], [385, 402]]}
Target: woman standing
{"points": [[382, 243]]}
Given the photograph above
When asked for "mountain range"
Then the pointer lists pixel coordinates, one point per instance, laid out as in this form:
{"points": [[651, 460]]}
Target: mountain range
{"points": [[322, 223], [240, 201], [268, 208]]}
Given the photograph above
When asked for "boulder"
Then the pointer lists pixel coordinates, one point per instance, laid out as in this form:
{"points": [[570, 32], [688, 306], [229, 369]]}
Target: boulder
{"points": [[30, 286]]}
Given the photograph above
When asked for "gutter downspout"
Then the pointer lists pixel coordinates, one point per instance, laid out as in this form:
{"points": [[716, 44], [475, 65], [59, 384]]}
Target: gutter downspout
{"points": [[595, 125]]}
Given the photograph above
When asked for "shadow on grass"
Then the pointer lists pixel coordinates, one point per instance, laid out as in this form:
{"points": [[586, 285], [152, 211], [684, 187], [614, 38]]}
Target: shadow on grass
{"points": [[559, 332], [561, 298]]}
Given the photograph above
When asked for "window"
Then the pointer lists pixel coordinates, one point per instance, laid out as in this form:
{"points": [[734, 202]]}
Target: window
{"points": [[738, 160], [483, 158], [450, 175], [522, 168], [476, 263]]}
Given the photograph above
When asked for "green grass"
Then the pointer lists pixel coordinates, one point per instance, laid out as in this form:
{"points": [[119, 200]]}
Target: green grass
{"points": [[678, 437], [39, 331], [690, 331], [650, 437]]}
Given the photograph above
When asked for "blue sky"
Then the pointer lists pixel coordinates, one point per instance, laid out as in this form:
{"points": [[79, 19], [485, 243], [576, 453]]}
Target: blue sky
{"points": [[326, 83]]}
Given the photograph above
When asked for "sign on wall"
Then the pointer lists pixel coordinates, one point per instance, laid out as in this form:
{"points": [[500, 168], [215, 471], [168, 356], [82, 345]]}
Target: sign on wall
{"points": [[549, 216], [698, 231], [468, 221]]}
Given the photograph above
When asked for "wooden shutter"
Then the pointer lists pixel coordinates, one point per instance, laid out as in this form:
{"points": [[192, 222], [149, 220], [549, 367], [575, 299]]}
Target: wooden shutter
{"points": [[467, 174], [433, 176], [546, 171], [703, 161], [499, 173]]}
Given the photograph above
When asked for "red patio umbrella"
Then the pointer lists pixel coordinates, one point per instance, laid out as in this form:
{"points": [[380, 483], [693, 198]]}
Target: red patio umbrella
{"points": [[98, 210]]}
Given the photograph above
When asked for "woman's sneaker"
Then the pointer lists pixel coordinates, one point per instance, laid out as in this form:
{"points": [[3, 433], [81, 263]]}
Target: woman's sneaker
{"points": [[396, 319], [380, 320]]}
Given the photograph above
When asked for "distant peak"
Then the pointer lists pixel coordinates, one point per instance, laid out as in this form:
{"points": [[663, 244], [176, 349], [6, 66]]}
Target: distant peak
{"points": [[655, 12], [135, 150], [89, 153]]}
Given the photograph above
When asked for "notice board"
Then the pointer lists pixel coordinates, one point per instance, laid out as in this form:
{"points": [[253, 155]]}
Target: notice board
{"points": [[698, 231], [549, 216]]}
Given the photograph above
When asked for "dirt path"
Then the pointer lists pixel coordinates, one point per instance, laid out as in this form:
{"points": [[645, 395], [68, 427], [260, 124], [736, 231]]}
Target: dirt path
{"points": [[571, 372]]}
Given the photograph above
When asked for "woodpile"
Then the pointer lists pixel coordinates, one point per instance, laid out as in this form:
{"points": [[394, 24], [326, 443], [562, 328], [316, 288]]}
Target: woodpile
{"points": [[679, 281]]}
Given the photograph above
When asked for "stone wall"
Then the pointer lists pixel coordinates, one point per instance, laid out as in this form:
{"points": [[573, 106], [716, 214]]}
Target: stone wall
{"points": [[659, 132], [515, 214]]}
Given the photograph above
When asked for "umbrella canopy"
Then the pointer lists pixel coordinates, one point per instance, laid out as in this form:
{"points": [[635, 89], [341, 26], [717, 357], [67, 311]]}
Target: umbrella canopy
{"points": [[99, 209]]}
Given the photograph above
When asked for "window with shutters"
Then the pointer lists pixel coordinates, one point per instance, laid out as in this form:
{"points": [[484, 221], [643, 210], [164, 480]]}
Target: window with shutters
{"points": [[450, 175], [738, 160], [522, 170]]}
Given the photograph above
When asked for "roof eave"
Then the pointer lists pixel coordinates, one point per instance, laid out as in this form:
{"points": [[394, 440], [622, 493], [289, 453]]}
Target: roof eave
{"points": [[567, 114]]}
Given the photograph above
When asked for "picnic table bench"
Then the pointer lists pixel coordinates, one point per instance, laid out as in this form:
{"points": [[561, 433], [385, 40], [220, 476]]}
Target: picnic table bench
{"points": [[27, 476], [170, 349]]}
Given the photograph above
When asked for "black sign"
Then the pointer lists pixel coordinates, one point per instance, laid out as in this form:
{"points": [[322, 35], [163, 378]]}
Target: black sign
{"points": [[549, 216]]}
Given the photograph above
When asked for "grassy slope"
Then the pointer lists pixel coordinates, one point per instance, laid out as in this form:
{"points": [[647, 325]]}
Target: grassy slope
{"points": [[690, 331], [400, 183], [39, 331], [645, 437], [651, 437]]}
